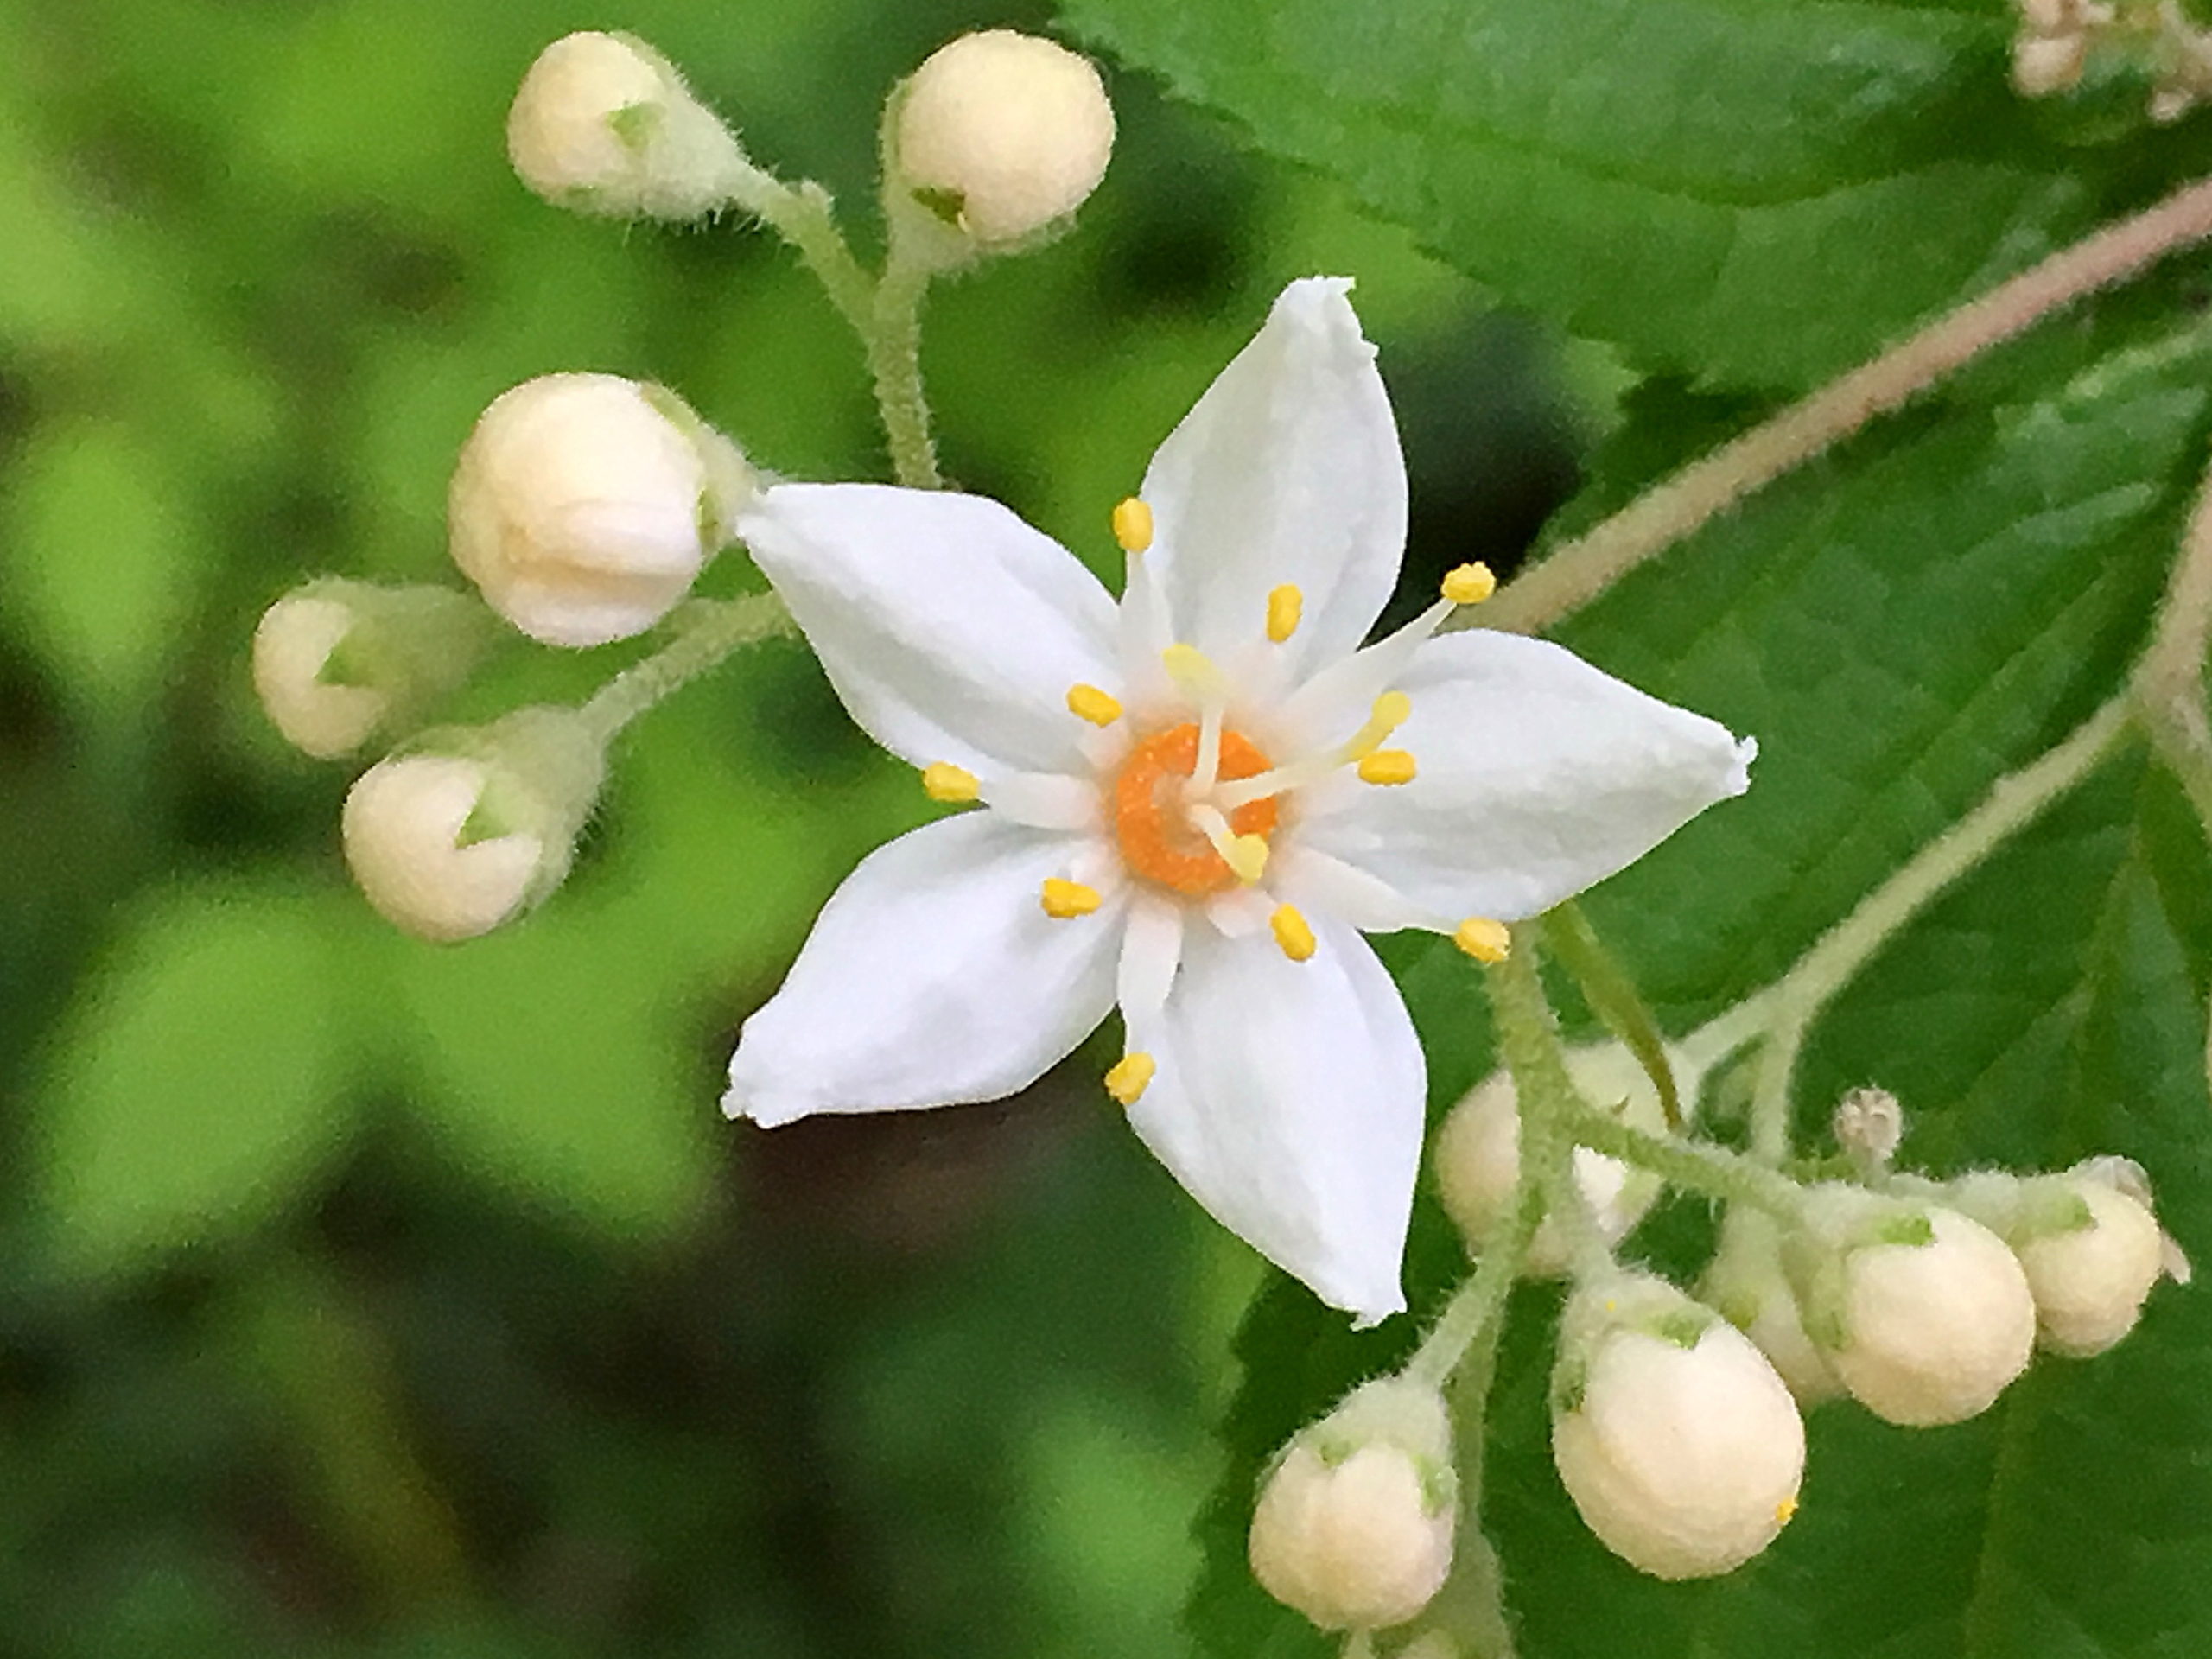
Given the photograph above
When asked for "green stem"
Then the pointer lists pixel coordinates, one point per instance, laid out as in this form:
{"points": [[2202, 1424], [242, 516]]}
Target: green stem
{"points": [[802, 215], [2168, 682], [894, 362], [1697, 1166], [1466, 1330], [707, 631], [1788, 1008], [1577, 571]]}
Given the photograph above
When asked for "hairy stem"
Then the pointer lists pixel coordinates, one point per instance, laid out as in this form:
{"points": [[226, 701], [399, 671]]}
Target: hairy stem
{"points": [[1788, 1008], [2168, 682], [707, 631], [1697, 1166], [1578, 570], [894, 362]]}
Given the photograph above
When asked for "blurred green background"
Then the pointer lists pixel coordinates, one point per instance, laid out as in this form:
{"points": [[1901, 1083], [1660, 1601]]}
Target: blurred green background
{"points": [[361, 1297]]}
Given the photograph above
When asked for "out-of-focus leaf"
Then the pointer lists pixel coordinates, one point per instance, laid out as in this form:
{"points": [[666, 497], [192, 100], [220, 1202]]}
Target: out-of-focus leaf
{"points": [[1753, 195], [200, 1084]]}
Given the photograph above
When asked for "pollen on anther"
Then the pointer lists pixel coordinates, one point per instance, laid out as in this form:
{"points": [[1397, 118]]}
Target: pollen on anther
{"points": [[1469, 584], [954, 785], [1063, 900], [1286, 604], [1130, 1076], [1293, 933], [1089, 702], [1133, 526], [1785, 1510], [1388, 766], [1483, 939]]}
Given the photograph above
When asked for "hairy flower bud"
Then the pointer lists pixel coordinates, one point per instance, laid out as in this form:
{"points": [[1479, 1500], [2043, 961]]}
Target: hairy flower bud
{"points": [[602, 123], [1746, 1282], [465, 833], [584, 505], [2088, 1242], [1477, 1154], [1681, 1446], [1926, 1312], [1354, 1523], [337, 662], [1001, 133]]}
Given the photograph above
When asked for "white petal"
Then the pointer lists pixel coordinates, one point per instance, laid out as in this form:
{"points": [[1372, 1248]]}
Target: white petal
{"points": [[933, 976], [1287, 470], [1288, 1101], [950, 629], [1320, 884], [1539, 775]]}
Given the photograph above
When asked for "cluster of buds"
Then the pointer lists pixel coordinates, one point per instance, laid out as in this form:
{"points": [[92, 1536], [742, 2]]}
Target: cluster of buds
{"points": [[1677, 1421], [584, 506]]}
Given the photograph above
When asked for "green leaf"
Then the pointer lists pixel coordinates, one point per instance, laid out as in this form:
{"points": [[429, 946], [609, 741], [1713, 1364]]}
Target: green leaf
{"points": [[1756, 195], [1900, 626], [199, 1087]]}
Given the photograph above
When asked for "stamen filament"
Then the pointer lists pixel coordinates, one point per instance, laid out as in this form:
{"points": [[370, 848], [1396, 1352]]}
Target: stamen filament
{"points": [[1246, 855], [1389, 713]]}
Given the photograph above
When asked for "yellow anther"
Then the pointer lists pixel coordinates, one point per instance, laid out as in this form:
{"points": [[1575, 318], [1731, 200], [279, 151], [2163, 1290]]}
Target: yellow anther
{"points": [[1130, 1076], [1089, 702], [1469, 584], [952, 784], [1247, 857], [1387, 766], [1284, 606], [1483, 939], [1133, 526], [1062, 900], [1783, 1511], [1293, 933]]}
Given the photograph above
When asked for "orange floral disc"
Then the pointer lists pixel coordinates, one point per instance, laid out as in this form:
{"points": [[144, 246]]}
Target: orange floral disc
{"points": [[1158, 839]]}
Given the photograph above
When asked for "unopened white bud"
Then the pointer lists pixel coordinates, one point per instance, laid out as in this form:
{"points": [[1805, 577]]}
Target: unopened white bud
{"points": [[602, 123], [1002, 133], [1354, 1523], [2087, 1240], [584, 505], [337, 662], [2046, 65], [465, 833], [1477, 1154], [1681, 1448], [1746, 1282], [1927, 1313]]}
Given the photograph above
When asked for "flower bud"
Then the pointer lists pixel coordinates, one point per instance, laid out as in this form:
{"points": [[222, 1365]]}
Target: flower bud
{"points": [[1001, 133], [336, 662], [1926, 1312], [1681, 1446], [1746, 1282], [465, 832], [584, 505], [2088, 1242], [1354, 1524], [602, 123], [2046, 65], [1478, 1154], [1869, 1125]]}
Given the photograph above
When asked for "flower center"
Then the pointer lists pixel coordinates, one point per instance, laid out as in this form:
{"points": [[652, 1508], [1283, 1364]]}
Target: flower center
{"points": [[1153, 817]]}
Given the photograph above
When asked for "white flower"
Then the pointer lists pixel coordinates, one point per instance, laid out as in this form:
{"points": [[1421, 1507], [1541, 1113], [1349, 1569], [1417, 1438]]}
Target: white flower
{"points": [[1197, 798]]}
